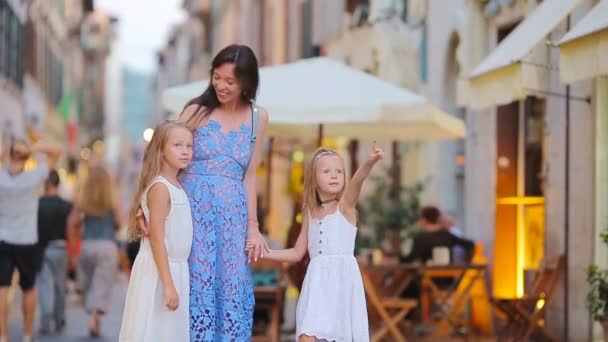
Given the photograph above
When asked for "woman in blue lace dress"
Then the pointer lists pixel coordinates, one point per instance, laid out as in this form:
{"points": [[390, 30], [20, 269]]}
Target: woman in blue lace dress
{"points": [[221, 186]]}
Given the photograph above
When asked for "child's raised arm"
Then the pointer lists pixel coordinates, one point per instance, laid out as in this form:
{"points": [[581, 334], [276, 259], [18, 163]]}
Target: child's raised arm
{"points": [[351, 196], [294, 254], [159, 202]]}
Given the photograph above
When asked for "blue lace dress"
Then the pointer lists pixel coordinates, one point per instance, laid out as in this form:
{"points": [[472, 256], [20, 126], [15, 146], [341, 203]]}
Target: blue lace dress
{"points": [[221, 288]]}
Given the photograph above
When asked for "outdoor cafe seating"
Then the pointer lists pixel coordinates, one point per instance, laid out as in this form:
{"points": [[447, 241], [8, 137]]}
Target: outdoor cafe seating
{"points": [[465, 307], [523, 317], [442, 309]]}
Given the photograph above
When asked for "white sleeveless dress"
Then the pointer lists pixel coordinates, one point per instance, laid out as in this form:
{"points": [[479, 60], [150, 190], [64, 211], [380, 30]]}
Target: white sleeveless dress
{"points": [[145, 317], [332, 302]]}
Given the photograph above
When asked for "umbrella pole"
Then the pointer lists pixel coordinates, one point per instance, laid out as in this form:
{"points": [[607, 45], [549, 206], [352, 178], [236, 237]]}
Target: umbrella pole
{"points": [[320, 136]]}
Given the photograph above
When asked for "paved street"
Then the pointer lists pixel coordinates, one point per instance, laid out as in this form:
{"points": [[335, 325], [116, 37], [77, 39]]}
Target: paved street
{"points": [[77, 321]]}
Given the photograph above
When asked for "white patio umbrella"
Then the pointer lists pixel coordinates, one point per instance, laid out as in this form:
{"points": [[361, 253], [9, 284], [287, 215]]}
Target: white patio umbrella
{"points": [[315, 93]]}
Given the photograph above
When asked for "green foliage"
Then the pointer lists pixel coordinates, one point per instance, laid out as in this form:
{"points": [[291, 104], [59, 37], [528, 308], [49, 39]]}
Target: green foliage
{"points": [[389, 206], [597, 298]]}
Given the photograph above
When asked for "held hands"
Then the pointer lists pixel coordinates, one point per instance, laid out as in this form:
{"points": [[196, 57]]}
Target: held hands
{"points": [[171, 298], [256, 245], [377, 153]]}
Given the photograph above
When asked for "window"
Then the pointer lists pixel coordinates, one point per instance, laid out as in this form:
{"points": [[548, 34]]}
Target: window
{"points": [[31, 42], [53, 76], [533, 146], [3, 28], [6, 31], [11, 45]]}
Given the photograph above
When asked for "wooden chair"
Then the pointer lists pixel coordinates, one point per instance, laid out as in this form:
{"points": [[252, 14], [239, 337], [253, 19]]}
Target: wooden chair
{"points": [[391, 310], [468, 289], [525, 315], [451, 302], [270, 300]]}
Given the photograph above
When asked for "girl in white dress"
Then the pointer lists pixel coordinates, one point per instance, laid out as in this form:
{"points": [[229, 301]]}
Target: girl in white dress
{"points": [[157, 301], [332, 305]]}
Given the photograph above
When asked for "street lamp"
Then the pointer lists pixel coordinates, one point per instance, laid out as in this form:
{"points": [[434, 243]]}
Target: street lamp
{"points": [[148, 133]]}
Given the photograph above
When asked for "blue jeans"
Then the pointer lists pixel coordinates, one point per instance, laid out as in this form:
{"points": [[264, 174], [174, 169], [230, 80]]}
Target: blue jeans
{"points": [[51, 284]]}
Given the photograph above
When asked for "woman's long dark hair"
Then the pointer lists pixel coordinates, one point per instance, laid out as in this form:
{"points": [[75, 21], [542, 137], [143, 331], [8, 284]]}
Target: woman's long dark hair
{"points": [[246, 72]]}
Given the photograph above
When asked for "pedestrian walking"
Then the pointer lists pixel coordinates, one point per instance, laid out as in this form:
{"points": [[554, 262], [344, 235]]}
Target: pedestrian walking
{"points": [[18, 227], [157, 300], [332, 305], [97, 217], [53, 212]]}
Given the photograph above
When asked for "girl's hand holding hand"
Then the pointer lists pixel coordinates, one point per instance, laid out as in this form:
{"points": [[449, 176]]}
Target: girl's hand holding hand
{"points": [[171, 298]]}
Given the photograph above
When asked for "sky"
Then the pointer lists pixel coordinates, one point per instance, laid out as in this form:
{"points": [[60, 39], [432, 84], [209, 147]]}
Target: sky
{"points": [[142, 28]]}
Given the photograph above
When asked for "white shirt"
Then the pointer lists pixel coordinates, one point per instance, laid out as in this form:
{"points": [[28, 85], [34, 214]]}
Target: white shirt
{"points": [[19, 204]]}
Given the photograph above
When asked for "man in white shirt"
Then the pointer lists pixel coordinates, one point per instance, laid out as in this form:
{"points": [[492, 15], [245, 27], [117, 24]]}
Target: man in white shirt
{"points": [[19, 228]]}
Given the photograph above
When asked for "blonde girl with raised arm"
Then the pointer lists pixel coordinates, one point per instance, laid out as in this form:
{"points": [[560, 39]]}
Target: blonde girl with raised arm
{"points": [[332, 305]]}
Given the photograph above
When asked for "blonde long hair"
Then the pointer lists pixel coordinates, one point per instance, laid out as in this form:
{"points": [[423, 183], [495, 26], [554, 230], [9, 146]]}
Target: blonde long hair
{"points": [[97, 193], [153, 161], [311, 196]]}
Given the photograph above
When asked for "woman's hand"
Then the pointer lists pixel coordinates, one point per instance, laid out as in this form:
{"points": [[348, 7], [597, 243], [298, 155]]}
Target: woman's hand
{"points": [[142, 225], [256, 244]]}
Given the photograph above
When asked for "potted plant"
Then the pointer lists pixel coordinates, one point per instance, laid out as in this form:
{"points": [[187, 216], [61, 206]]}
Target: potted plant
{"points": [[597, 298], [390, 211]]}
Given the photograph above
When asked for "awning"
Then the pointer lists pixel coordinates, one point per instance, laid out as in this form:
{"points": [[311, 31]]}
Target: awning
{"points": [[583, 52], [306, 94], [518, 65]]}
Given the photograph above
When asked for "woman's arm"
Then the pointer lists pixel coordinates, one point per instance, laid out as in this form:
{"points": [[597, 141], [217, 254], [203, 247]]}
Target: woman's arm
{"points": [[159, 202], [250, 182], [351, 196]]}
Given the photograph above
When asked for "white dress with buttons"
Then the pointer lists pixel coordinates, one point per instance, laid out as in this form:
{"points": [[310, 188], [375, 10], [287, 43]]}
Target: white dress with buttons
{"points": [[332, 302]]}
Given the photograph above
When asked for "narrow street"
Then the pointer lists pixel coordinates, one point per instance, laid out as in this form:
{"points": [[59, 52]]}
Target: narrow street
{"points": [[77, 321]]}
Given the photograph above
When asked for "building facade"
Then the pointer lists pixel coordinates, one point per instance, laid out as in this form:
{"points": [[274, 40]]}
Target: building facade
{"points": [[52, 81], [13, 119], [397, 41], [533, 194], [510, 183], [96, 37]]}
